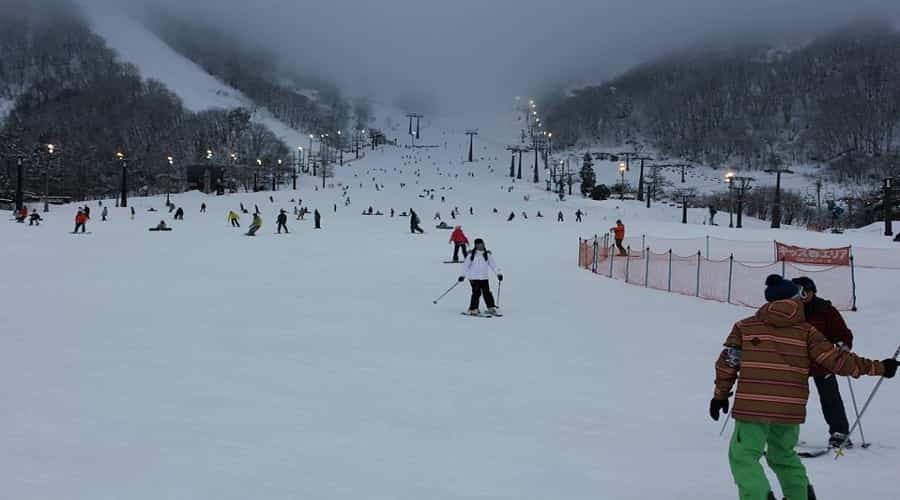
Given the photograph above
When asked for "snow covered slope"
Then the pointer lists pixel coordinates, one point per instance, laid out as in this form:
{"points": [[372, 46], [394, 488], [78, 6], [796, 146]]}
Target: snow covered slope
{"points": [[204, 364], [154, 59]]}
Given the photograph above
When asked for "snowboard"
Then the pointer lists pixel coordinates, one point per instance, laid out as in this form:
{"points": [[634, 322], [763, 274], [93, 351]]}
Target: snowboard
{"points": [[453, 262], [82, 233]]}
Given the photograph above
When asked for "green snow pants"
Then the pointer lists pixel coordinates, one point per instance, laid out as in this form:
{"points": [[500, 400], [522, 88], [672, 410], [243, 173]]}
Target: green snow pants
{"points": [[748, 443]]}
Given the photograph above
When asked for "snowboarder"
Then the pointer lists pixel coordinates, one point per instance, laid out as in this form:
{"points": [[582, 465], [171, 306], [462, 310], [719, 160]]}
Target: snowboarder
{"points": [[559, 217], [769, 355], [512, 215], [234, 219], [35, 218], [80, 220], [179, 214], [712, 215], [827, 320], [104, 214], [282, 222], [317, 218], [414, 223], [255, 225], [578, 215], [160, 227], [476, 267], [619, 235]]}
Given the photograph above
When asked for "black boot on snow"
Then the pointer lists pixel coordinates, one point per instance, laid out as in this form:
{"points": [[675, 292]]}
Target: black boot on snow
{"points": [[837, 439]]}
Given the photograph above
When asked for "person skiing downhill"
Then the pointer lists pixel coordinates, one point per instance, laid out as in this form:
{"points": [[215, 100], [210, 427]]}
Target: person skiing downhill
{"points": [[234, 219], [80, 220], [825, 318], [769, 356], [460, 242], [619, 235], [282, 222], [476, 267], [414, 222]]}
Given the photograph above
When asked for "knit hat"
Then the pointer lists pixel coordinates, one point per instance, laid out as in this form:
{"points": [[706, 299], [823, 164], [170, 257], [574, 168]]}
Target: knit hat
{"points": [[477, 241], [778, 288], [806, 283]]}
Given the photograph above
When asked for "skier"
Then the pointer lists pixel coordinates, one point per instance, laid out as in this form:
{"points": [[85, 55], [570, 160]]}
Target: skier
{"points": [[822, 315], [282, 222], [476, 268], [578, 215], [559, 217], [234, 219], [712, 215], [203, 208], [179, 214], [255, 225], [80, 221], [22, 214], [460, 242], [414, 222], [243, 210], [104, 214], [132, 213], [317, 217], [512, 215], [769, 356], [619, 235], [471, 211]]}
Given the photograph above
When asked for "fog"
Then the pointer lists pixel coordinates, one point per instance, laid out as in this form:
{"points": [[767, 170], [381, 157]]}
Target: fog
{"points": [[470, 53]]}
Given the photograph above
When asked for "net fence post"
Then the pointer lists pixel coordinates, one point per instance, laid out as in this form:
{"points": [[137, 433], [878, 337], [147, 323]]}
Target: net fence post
{"points": [[783, 269], [643, 241], [596, 258], [707, 246], [730, 274], [647, 267], [699, 256], [853, 282], [627, 262], [670, 271], [612, 258]]}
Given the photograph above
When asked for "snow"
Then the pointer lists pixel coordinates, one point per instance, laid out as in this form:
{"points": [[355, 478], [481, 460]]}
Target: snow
{"points": [[201, 363], [155, 60]]}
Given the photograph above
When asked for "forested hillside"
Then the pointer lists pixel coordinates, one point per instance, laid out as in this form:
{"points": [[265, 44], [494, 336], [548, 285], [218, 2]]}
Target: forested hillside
{"points": [[834, 101], [68, 89]]}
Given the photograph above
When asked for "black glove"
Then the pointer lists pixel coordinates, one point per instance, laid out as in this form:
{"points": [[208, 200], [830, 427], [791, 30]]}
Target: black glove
{"points": [[717, 405], [499, 277], [461, 279], [890, 367]]}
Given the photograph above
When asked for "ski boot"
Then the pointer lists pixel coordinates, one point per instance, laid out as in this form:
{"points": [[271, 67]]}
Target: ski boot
{"points": [[839, 439], [473, 312], [493, 311], [810, 494]]}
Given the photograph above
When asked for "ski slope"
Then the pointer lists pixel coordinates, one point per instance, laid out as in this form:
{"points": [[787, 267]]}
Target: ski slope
{"points": [[202, 363], [155, 60]]}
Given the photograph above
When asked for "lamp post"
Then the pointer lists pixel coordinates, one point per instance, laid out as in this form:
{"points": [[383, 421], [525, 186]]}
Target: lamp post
{"points": [[123, 197], [256, 175], [20, 184], [888, 215], [50, 150], [340, 145], [622, 182], [729, 178], [276, 167], [169, 179], [298, 164]]}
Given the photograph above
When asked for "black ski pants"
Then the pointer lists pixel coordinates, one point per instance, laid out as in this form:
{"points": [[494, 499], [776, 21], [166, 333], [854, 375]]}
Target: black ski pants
{"points": [[832, 404], [456, 249], [77, 225], [282, 225], [479, 288], [235, 223]]}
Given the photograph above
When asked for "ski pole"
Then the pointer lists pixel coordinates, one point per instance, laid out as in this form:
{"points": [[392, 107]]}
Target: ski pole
{"points": [[724, 425], [840, 450], [498, 293], [856, 409], [445, 293]]}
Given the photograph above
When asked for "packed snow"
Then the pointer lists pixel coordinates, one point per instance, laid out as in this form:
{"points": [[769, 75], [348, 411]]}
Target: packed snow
{"points": [[202, 363]]}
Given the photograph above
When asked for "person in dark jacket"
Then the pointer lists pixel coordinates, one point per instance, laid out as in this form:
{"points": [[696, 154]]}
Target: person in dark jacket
{"points": [[179, 214], [414, 222], [282, 222], [317, 218], [822, 315]]}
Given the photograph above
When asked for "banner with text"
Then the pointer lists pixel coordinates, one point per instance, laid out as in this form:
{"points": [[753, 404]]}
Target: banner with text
{"points": [[818, 256]]}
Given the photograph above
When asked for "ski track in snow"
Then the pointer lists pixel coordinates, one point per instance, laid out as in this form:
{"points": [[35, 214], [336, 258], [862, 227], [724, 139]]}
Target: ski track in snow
{"points": [[205, 364]]}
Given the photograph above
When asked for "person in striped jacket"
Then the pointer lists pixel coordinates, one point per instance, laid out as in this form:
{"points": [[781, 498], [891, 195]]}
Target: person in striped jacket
{"points": [[769, 356]]}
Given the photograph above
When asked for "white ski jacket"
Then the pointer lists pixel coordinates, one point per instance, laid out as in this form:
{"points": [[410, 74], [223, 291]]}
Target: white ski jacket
{"points": [[478, 268]]}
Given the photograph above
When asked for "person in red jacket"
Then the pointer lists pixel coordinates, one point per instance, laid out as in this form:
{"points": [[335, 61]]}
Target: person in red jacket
{"points": [[80, 221], [822, 315], [459, 240], [619, 236], [22, 214]]}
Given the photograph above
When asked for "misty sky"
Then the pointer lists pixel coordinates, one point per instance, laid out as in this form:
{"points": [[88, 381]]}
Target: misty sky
{"points": [[473, 51]]}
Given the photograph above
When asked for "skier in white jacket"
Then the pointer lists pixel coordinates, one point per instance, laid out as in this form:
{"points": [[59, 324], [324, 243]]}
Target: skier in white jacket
{"points": [[476, 267]]}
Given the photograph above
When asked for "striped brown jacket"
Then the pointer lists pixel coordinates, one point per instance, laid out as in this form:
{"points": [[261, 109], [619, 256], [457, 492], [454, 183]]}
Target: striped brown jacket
{"points": [[769, 355]]}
